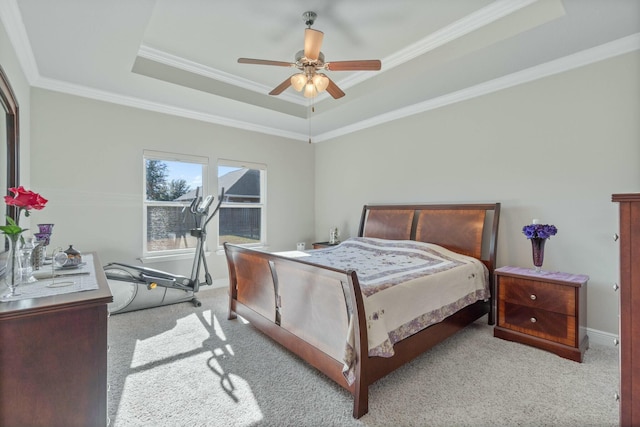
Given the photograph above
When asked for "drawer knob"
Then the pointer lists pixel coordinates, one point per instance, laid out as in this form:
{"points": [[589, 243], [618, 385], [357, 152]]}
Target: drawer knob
{"points": [[615, 287], [534, 320], [616, 396], [616, 341], [615, 237], [533, 297]]}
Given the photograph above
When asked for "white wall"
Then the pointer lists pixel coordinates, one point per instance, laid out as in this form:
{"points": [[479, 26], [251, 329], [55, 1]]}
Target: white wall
{"points": [[86, 158], [554, 149]]}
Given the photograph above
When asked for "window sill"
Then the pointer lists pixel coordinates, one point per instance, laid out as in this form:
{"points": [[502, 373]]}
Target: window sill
{"points": [[164, 258]]}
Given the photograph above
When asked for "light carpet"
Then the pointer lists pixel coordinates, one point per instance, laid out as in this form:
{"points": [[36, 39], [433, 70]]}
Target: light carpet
{"points": [[184, 366]]}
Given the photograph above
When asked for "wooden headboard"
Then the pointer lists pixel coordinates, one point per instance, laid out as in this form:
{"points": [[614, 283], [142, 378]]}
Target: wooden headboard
{"points": [[469, 229]]}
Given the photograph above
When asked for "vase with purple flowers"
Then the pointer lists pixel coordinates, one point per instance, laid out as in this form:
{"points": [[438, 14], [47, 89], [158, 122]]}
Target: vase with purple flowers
{"points": [[538, 234]]}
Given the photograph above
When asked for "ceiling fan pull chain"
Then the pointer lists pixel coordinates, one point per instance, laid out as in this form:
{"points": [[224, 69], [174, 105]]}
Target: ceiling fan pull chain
{"points": [[313, 110]]}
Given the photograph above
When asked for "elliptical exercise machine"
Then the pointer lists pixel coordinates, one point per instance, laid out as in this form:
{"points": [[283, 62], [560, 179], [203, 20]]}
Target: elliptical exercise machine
{"points": [[135, 287]]}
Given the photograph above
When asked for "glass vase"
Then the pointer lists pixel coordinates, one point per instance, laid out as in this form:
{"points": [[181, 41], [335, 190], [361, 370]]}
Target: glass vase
{"points": [[537, 247], [13, 272], [26, 252]]}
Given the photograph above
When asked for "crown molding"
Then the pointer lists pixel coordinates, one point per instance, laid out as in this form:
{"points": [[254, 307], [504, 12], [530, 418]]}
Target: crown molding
{"points": [[481, 18], [12, 21], [174, 61], [100, 95], [567, 63], [561, 65]]}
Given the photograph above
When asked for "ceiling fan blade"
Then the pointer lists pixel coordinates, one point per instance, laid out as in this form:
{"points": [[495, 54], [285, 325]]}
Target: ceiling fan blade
{"points": [[281, 87], [265, 62], [334, 90], [312, 43], [365, 65]]}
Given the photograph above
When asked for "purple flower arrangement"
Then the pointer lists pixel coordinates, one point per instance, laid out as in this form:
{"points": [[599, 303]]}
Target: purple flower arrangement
{"points": [[539, 231]]}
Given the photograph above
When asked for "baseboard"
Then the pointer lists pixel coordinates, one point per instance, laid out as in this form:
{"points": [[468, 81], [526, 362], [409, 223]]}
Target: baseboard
{"points": [[601, 337]]}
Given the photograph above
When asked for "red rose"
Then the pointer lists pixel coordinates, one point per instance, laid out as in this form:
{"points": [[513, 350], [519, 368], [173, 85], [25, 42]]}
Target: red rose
{"points": [[25, 199]]}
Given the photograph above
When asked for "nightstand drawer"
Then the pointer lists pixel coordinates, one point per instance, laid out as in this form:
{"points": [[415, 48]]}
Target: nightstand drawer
{"points": [[543, 324], [546, 296]]}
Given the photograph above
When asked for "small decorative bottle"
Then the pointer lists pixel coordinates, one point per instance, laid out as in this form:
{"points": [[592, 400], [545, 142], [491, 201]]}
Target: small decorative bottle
{"points": [[73, 256], [334, 236]]}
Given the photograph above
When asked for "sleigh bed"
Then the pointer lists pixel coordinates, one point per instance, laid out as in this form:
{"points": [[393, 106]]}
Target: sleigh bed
{"points": [[351, 320]]}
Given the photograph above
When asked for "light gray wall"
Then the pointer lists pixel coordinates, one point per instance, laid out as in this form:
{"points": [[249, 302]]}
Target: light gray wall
{"points": [[553, 149], [87, 160]]}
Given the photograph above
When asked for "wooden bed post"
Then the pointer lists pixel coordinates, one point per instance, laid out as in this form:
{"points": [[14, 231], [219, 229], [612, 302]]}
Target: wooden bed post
{"points": [[493, 244], [233, 281], [361, 384]]}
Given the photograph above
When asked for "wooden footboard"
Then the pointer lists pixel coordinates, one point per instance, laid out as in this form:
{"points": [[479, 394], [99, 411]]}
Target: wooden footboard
{"points": [[296, 304]]}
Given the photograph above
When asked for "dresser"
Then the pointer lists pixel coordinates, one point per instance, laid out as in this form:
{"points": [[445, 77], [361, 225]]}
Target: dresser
{"points": [[629, 288], [53, 359], [543, 309]]}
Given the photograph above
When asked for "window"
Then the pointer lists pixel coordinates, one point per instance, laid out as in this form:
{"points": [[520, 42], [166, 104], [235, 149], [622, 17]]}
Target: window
{"points": [[242, 215], [170, 185]]}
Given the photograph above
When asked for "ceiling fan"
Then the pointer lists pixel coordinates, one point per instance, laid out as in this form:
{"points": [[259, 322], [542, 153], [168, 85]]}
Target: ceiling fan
{"points": [[310, 61]]}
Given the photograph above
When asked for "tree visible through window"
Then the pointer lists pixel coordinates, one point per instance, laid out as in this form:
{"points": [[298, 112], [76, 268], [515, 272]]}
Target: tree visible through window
{"points": [[158, 188], [171, 184]]}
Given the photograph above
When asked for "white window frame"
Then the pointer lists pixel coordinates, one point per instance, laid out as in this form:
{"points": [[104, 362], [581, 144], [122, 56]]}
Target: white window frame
{"points": [[263, 200], [185, 253]]}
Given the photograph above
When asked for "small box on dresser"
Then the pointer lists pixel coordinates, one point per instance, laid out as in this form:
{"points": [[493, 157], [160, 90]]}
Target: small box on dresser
{"points": [[547, 310]]}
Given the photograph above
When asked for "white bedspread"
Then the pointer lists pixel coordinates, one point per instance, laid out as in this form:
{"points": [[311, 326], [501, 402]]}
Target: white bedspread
{"points": [[406, 286]]}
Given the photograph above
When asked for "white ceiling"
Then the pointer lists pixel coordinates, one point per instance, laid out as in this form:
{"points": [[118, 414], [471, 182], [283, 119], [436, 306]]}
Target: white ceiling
{"points": [[180, 56]]}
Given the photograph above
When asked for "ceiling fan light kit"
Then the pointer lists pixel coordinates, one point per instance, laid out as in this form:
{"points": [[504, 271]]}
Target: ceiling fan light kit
{"points": [[312, 83], [310, 91], [311, 60], [320, 81], [298, 81]]}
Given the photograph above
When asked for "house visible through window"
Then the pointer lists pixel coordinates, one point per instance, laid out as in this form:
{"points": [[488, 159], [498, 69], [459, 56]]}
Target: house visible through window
{"points": [[242, 215], [171, 183]]}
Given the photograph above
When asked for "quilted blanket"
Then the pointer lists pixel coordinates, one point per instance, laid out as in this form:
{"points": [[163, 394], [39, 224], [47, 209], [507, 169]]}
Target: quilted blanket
{"points": [[406, 285]]}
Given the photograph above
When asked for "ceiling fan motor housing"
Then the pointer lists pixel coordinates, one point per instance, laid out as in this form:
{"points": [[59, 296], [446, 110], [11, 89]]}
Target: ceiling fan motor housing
{"points": [[302, 60]]}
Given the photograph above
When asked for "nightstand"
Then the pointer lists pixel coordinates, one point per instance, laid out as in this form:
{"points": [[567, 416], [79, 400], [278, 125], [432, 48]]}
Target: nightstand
{"points": [[547, 310], [322, 245]]}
